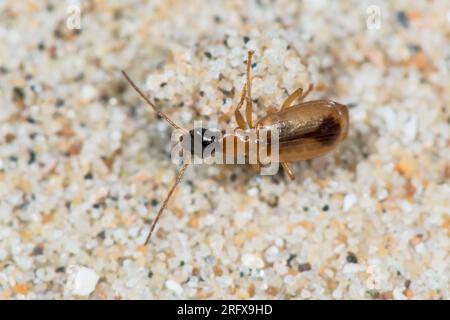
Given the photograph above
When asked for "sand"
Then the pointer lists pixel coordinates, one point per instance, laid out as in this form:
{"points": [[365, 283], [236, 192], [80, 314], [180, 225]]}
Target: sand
{"points": [[85, 164]]}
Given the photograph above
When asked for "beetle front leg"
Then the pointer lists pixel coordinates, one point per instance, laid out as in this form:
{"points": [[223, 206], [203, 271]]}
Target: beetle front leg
{"points": [[249, 105], [242, 124]]}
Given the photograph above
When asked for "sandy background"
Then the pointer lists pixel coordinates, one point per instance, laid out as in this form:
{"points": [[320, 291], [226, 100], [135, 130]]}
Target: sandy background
{"points": [[84, 163]]}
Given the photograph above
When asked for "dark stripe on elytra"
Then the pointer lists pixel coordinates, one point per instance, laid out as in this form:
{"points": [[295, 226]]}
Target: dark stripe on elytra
{"points": [[326, 133]]}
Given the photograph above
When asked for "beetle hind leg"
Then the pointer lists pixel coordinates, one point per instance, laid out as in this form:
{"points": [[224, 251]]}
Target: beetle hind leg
{"points": [[257, 168], [287, 168]]}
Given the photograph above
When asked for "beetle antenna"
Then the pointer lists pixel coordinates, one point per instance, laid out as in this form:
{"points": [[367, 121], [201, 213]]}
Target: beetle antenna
{"points": [[166, 200], [159, 113]]}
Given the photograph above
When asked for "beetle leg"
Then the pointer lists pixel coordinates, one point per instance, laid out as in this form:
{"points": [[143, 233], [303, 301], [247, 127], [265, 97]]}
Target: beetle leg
{"points": [[296, 95], [257, 168], [249, 105], [288, 170], [310, 88], [237, 114], [240, 120]]}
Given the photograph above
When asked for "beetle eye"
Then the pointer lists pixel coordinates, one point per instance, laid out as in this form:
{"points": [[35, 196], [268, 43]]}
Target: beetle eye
{"points": [[200, 138]]}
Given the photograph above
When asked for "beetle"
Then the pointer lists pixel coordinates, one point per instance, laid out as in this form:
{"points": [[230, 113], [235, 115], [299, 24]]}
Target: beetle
{"points": [[306, 129]]}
